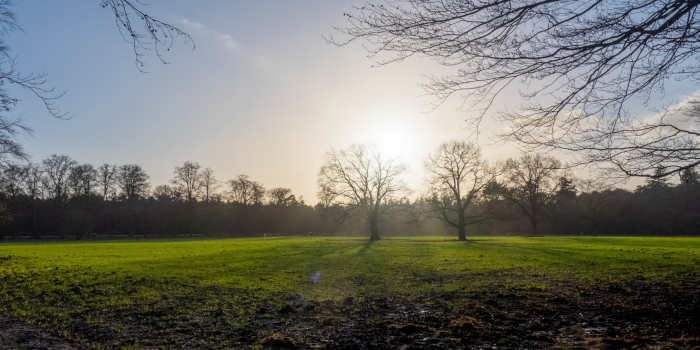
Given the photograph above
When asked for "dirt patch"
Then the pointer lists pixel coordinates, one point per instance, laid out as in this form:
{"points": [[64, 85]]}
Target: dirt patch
{"points": [[632, 314], [17, 335]]}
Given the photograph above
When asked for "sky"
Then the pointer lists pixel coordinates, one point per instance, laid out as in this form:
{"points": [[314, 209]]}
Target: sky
{"points": [[263, 93]]}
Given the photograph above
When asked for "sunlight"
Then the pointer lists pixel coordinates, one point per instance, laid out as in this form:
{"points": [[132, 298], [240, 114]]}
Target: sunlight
{"points": [[393, 134]]}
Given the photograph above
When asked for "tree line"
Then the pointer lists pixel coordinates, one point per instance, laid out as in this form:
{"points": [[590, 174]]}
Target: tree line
{"points": [[360, 192]]}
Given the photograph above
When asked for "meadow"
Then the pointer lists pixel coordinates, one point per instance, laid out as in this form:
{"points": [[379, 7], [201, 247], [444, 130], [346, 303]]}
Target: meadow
{"points": [[295, 292]]}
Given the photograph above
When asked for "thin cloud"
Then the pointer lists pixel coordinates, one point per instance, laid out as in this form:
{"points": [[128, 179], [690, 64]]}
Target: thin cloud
{"points": [[680, 114], [224, 39]]}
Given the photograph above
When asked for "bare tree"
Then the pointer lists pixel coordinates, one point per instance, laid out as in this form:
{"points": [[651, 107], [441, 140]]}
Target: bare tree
{"points": [[167, 193], [57, 169], [246, 191], [12, 180], [33, 186], [362, 180], [32, 181], [133, 181], [82, 179], [530, 183], [457, 177], [282, 197], [689, 177], [208, 183], [584, 63], [187, 180], [107, 176]]}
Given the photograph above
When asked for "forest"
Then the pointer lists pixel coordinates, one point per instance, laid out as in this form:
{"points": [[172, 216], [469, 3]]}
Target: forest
{"points": [[62, 198]]}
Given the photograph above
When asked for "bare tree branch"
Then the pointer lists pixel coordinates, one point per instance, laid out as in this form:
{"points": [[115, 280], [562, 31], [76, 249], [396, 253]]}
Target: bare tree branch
{"points": [[584, 62]]}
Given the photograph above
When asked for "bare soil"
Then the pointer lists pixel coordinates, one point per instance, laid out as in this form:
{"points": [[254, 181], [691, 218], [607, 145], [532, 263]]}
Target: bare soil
{"points": [[15, 334], [636, 314]]}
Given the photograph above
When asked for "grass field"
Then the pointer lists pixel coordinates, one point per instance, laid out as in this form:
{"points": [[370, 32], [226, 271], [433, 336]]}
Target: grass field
{"points": [[108, 294]]}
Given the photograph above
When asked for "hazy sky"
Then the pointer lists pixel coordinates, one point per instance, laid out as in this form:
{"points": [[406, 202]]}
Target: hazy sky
{"points": [[262, 94]]}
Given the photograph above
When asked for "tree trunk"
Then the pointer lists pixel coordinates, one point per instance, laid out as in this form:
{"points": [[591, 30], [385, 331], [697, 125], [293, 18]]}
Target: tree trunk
{"points": [[461, 229], [373, 226], [34, 219], [533, 225]]}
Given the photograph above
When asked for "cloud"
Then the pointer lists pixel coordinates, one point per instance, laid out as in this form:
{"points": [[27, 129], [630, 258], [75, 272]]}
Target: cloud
{"points": [[224, 39], [682, 114]]}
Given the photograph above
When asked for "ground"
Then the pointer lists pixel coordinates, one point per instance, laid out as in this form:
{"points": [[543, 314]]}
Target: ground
{"points": [[323, 292]]}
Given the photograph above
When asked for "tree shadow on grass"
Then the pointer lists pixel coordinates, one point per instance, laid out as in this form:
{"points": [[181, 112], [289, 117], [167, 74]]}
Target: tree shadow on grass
{"points": [[422, 240], [365, 247]]}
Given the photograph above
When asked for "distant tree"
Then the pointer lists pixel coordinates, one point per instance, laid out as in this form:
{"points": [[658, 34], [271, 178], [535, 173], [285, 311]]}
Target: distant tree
{"points": [[32, 181], [82, 179], [57, 169], [530, 183], [656, 182], [282, 197], [208, 183], [359, 179], [166, 193], [246, 191], [133, 181], [188, 180], [33, 186], [107, 176], [563, 210], [457, 177], [689, 177], [12, 180], [566, 188]]}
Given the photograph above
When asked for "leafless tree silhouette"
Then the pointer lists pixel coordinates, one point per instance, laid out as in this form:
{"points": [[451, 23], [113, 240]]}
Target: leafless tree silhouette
{"points": [[530, 183], [57, 169], [246, 191], [82, 180], [188, 180], [584, 62], [12, 180], [107, 180], [208, 183], [133, 181], [361, 179], [282, 197], [457, 177]]}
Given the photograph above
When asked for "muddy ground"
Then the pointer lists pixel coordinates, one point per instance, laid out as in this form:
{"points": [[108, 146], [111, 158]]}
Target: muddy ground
{"points": [[15, 334], [633, 314]]}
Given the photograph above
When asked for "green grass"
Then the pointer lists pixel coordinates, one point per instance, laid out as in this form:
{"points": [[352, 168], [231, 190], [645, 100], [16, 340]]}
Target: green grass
{"points": [[67, 286]]}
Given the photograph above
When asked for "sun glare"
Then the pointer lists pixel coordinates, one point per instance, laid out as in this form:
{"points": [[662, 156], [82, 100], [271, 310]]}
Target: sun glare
{"points": [[392, 134]]}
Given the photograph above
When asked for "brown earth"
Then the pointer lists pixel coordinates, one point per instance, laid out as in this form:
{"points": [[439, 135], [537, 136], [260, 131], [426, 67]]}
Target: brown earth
{"points": [[637, 314], [634, 314], [15, 334]]}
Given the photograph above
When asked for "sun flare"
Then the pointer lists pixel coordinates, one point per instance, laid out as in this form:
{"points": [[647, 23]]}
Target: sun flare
{"points": [[392, 135]]}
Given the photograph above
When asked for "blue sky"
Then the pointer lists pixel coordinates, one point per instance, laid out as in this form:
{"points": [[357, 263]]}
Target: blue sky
{"points": [[262, 94]]}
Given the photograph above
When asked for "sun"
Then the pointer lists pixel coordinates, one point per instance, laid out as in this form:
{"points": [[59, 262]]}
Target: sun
{"points": [[391, 134], [392, 141]]}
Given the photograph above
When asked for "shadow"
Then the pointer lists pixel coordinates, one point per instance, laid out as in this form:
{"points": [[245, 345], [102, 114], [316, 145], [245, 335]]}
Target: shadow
{"points": [[421, 240], [365, 247]]}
